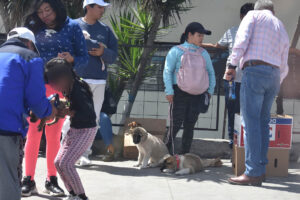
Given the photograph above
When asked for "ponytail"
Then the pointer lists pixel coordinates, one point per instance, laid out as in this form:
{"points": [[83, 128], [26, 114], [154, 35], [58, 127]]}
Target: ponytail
{"points": [[82, 83], [183, 38]]}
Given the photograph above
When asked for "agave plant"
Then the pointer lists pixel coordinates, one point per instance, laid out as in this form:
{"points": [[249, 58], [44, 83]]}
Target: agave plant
{"points": [[13, 12], [132, 30]]}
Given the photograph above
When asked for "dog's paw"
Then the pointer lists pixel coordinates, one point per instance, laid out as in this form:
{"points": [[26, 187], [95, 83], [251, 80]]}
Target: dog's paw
{"points": [[143, 167], [137, 165], [178, 173], [218, 162], [152, 165], [168, 171]]}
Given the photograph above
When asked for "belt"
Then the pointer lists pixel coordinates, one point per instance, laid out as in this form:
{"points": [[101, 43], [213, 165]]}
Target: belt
{"points": [[251, 63]]}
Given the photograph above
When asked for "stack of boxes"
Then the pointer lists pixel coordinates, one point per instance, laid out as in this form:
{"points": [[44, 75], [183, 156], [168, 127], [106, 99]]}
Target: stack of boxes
{"points": [[280, 143]]}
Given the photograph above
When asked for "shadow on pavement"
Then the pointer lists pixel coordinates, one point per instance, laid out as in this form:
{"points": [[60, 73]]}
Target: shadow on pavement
{"points": [[44, 196], [287, 184], [218, 175]]}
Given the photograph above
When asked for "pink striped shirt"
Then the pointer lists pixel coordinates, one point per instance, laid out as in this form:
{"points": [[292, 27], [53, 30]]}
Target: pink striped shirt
{"points": [[261, 36]]}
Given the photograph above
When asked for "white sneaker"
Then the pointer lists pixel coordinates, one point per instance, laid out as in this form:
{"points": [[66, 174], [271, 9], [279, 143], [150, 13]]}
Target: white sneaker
{"points": [[70, 197], [84, 162]]}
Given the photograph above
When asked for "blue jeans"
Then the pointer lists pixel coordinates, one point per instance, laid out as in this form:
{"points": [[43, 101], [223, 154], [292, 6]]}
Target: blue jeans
{"points": [[105, 129], [260, 85], [233, 107]]}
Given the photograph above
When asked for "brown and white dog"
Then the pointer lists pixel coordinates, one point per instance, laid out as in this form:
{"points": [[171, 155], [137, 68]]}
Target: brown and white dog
{"points": [[60, 105], [151, 149], [187, 164]]}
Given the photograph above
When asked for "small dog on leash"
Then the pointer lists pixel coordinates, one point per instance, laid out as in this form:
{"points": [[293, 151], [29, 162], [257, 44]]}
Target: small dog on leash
{"points": [[187, 164], [58, 103], [151, 149]]}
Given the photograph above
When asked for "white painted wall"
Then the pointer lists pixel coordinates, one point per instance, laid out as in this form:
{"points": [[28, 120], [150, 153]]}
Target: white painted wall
{"points": [[219, 15]]}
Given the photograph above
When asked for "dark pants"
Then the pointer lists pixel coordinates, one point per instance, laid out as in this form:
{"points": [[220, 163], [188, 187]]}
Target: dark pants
{"points": [[233, 107], [186, 109], [10, 155]]}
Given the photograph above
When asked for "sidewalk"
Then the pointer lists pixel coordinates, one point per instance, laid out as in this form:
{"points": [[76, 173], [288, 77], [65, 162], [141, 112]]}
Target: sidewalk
{"points": [[120, 181]]}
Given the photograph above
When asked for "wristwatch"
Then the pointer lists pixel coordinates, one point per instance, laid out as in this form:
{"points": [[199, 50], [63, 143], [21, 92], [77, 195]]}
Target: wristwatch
{"points": [[230, 66]]}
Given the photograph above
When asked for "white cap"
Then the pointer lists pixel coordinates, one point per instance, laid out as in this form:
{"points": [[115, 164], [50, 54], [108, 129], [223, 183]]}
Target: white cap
{"points": [[98, 2], [22, 32]]}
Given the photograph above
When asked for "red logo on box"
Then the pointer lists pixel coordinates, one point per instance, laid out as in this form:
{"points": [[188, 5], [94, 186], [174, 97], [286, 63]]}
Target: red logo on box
{"points": [[280, 132]]}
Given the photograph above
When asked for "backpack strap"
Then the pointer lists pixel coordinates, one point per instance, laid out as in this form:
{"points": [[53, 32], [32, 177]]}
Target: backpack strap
{"points": [[182, 48], [199, 50]]}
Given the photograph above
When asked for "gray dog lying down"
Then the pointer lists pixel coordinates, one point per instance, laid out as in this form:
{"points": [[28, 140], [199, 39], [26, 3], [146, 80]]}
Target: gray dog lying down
{"points": [[187, 164], [154, 153]]}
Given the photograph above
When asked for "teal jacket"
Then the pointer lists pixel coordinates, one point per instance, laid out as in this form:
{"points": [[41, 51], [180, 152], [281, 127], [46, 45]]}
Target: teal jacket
{"points": [[173, 63]]}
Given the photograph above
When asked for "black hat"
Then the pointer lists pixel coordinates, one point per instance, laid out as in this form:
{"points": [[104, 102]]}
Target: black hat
{"points": [[197, 27]]}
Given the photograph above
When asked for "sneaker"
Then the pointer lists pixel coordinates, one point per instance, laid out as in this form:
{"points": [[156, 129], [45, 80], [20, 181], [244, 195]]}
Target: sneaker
{"points": [[52, 187], [71, 197], [109, 157], [84, 161], [74, 198], [28, 187]]}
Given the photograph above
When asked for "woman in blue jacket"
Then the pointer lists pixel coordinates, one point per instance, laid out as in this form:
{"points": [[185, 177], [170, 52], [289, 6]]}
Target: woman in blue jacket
{"points": [[56, 36], [186, 107]]}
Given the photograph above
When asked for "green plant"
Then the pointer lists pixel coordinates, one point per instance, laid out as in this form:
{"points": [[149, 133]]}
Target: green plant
{"points": [[13, 12], [166, 11], [132, 28]]}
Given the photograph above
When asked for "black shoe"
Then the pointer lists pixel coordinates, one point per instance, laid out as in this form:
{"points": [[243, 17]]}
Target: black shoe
{"points": [[52, 187], [28, 187]]}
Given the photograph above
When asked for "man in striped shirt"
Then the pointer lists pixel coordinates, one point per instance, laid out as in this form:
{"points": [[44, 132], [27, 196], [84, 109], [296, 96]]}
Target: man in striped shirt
{"points": [[261, 48]]}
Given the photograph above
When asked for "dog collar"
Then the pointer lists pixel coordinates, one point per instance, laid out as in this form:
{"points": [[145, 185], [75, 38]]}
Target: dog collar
{"points": [[177, 160]]}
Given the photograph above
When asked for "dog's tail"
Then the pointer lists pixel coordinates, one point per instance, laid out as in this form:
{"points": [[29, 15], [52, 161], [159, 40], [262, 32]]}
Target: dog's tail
{"points": [[212, 162]]}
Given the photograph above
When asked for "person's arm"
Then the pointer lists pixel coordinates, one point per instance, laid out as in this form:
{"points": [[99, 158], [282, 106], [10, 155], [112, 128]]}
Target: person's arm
{"points": [[35, 91], [284, 68], [294, 51], [110, 53], [81, 56], [210, 45], [242, 39], [211, 72], [169, 70]]}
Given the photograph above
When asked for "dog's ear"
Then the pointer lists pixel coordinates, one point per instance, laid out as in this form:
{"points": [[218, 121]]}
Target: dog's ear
{"points": [[166, 157], [134, 124]]}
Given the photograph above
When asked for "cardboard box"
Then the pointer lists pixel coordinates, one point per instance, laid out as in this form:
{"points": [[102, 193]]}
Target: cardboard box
{"points": [[281, 127], [156, 127], [278, 161]]}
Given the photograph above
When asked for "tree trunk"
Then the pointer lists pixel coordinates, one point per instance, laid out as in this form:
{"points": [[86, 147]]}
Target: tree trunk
{"points": [[157, 16], [4, 15]]}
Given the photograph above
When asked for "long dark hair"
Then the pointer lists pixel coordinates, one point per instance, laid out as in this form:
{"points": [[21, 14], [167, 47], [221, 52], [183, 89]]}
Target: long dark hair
{"points": [[34, 23], [192, 28], [58, 68]]}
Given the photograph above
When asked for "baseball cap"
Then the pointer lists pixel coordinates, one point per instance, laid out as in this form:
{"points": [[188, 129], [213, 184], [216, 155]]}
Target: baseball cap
{"points": [[98, 2], [197, 27], [22, 32]]}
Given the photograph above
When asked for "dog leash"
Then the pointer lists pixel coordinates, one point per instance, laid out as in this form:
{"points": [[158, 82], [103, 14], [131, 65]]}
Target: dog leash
{"points": [[170, 132]]}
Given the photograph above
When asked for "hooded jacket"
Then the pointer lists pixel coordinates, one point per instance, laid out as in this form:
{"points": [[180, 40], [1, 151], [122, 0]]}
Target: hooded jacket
{"points": [[22, 87]]}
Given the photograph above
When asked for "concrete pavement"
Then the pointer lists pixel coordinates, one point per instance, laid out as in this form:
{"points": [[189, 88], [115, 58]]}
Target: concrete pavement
{"points": [[120, 181]]}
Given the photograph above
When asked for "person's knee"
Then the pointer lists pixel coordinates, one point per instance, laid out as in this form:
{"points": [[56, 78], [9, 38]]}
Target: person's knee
{"points": [[57, 163]]}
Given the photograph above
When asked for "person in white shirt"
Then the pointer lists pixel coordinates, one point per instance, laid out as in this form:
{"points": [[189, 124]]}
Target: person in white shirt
{"points": [[227, 42]]}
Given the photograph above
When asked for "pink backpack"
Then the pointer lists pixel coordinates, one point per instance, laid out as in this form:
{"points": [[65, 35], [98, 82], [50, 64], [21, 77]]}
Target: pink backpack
{"points": [[192, 77]]}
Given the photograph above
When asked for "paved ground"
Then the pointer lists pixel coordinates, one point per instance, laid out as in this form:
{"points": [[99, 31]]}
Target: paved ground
{"points": [[120, 181]]}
